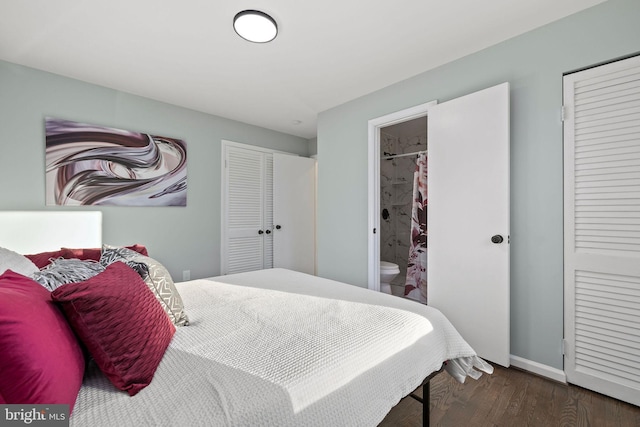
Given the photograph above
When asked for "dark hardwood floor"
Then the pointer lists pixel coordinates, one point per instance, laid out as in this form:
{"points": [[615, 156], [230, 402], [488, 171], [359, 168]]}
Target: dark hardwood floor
{"points": [[513, 398]]}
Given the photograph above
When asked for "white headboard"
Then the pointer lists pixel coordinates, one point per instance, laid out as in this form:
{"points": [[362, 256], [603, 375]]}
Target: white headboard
{"points": [[30, 232]]}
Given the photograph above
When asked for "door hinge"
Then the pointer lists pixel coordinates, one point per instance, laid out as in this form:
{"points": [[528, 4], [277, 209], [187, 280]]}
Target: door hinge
{"points": [[374, 230], [564, 346], [563, 113]]}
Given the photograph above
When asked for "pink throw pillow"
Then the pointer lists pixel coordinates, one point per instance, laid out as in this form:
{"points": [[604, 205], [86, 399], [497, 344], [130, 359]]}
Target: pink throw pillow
{"points": [[122, 324], [41, 360], [95, 253], [43, 259]]}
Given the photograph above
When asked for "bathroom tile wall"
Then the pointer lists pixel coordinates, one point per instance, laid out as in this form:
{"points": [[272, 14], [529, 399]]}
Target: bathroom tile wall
{"points": [[396, 194]]}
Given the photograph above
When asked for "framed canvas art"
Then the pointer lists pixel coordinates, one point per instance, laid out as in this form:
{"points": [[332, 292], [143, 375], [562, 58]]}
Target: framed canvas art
{"points": [[102, 166]]}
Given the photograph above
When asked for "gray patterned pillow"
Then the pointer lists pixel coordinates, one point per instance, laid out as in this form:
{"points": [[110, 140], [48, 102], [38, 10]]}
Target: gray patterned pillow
{"points": [[155, 276], [62, 271]]}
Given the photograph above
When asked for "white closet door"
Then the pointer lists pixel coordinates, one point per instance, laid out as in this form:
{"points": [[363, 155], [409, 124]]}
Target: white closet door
{"points": [[468, 204], [294, 213], [602, 229], [267, 224], [246, 197], [260, 187]]}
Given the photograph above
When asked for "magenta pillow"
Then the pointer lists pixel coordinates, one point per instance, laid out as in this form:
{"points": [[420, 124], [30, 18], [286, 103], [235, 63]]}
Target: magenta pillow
{"points": [[95, 253], [41, 360], [120, 321], [42, 259]]}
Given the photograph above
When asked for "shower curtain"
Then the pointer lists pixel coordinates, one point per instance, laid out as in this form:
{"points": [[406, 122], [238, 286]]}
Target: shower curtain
{"points": [[416, 282]]}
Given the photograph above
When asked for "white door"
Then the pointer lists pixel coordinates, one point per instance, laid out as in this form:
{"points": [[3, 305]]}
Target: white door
{"points": [[602, 229], [468, 204], [259, 185], [247, 210], [294, 212]]}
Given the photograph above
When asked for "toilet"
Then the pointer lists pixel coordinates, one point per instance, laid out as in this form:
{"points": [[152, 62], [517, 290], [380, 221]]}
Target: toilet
{"points": [[388, 272]]}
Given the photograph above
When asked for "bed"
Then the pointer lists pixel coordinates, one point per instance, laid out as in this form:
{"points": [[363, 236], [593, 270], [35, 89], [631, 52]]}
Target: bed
{"points": [[274, 348]]}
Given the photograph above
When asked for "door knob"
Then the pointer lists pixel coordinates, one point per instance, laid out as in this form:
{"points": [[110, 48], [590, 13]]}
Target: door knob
{"points": [[260, 231], [278, 227], [268, 231], [497, 239]]}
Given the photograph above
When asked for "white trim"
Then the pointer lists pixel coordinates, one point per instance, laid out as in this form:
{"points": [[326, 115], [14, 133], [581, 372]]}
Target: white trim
{"points": [[539, 369], [373, 240], [226, 143]]}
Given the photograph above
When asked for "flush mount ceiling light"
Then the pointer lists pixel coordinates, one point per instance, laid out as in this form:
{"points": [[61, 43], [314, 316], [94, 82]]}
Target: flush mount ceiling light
{"points": [[255, 26]]}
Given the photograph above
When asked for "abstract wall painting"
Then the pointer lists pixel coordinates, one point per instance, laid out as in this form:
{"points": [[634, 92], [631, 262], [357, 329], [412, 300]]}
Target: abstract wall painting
{"points": [[101, 166]]}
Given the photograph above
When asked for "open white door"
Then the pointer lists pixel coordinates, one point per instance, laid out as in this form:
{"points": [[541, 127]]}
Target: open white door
{"points": [[294, 213], [468, 214]]}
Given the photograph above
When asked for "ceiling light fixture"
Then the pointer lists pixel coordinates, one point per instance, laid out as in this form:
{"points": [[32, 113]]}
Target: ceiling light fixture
{"points": [[255, 26]]}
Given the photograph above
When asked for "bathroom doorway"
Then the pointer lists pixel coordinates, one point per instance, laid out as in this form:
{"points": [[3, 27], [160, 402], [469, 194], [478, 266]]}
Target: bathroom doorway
{"points": [[400, 145], [381, 139]]}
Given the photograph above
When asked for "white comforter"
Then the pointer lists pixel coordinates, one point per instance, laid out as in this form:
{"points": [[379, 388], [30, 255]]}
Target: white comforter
{"points": [[280, 348]]}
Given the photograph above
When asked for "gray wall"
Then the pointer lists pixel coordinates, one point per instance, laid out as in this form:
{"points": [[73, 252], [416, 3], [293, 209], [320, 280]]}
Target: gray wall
{"points": [[313, 146], [533, 64], [182, 238]]}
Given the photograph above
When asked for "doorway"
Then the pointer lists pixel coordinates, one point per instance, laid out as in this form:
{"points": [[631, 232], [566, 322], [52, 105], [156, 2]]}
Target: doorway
{"points": [[400, 145], [374, 210]]}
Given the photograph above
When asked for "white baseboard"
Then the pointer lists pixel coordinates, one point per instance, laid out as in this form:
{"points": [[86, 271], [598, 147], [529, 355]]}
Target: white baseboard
{"points": [[539, 369]]}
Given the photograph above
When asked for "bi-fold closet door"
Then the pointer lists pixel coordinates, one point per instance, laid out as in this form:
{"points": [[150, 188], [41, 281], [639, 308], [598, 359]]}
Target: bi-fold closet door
{"points": [[602, 228], [248, 204], [268, 210]]}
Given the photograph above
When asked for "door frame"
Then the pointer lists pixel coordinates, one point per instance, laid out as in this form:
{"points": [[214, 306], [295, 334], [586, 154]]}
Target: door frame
{"points": [[373, 210]]}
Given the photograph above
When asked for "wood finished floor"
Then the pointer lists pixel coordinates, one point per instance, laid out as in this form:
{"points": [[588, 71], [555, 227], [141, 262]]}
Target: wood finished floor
{"points": [[513, 398]]}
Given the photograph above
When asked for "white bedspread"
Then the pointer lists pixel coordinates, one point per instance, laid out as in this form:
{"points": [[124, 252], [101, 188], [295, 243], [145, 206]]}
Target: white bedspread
{"points": [[280, 348]]}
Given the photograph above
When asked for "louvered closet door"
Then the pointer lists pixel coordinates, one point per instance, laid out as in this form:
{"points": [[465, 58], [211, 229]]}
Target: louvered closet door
{"points": [[602, 229], [248, 200], [267, 237]]}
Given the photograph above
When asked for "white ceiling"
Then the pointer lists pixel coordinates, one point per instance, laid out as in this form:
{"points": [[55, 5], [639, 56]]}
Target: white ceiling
{"points": [[186, 53]]}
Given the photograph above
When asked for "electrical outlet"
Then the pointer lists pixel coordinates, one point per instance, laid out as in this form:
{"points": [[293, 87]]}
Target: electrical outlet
{"points": [[186, 275]]}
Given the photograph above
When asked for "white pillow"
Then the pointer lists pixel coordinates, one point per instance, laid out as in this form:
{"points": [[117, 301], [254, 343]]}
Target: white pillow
{"points": [[10, 260]]}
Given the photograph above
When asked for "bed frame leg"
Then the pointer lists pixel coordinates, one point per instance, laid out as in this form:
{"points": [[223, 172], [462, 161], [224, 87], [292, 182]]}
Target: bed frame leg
{"points": [[426, 397], [425, 404]]}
